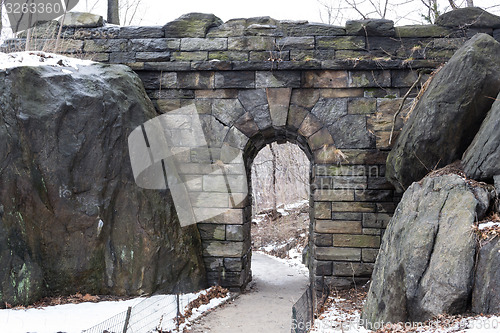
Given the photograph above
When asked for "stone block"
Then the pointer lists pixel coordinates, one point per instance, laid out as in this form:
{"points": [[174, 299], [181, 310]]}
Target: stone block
{"points": [[312, 56], [386, 207], [323, 239], [213, 263], [221, 216], [416, 31], [227, 111], [373, 195], [295, 43], [216, 94], [341, 92], [347, 216], [323, 210], [319, 139], [322, 267], [152, 56], [82, 20], [296, 116], [281, 79], [352, 55], [370, 27], [191, 25], [247, 125], [139, 32], [338, 227], [255, 102], [369, 255], [361, 79], [330, 110], [196, 80], [324, 183], [240, 79], [168, 66], [224, 249], [272, 57], [356, 241], [325, 79], [212, 231], [122, 57], [311, 29], [341, 43], [349, 182], [338, 254], [279, 102], [372, 231], [305, 98], [352, 269], [361, 106], [154, 44], [251, 43], [333, 195], [236, 139], [350, 131], [356, 207], [228, 55], [376, 220], [189, 56], [203, 44], [209, 199], [328, 155], [233, 264], [105, 45], [235, 232], [310, 125]]}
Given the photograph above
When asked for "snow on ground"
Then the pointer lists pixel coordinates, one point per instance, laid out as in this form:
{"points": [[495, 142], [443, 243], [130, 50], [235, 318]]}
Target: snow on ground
{"points": [[490, 224], [39, 58], [336, 320], [75, 318]]}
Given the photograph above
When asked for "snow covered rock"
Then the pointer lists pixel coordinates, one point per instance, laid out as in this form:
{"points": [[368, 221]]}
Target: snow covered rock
{"points": [[426, 262], [71, 216]]}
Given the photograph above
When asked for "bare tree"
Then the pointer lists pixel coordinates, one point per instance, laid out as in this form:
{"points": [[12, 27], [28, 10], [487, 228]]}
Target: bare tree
{"points": [[113, 12]]}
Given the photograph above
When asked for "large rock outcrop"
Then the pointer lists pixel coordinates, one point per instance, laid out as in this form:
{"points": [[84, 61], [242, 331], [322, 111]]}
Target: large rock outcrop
{"points": [[71, 216], [481, 160], [449, 114], [426, 263], [486, 292]]}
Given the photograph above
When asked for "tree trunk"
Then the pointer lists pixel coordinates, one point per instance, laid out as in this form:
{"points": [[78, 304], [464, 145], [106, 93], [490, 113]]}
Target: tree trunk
{"points": [[274, 211], [113, 12]]}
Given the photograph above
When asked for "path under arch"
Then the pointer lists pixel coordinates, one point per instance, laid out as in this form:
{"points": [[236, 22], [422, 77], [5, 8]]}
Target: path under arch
{"points": [[266, 306]]}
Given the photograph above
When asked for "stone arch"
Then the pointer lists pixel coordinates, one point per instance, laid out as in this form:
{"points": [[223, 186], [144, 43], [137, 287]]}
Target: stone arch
{"points": [[253, 119]]}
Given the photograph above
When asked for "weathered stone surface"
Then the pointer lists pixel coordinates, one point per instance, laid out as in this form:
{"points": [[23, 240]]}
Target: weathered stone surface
{"points": [[481, 160], [428, 238], [350, 132], [139, 32], [72, 218], [430, 30], [203, 44], [279, 101], [255, 102], [304, 28], [82, 20], [486, 293], [330, 110], [453, 106], [103, 45], [240, 79], [152, 56], [281, 79], [341, 43], [154, 44], [250, 43], [192, 25], [227, 111], [370, 27], [255, 26], [470, 17]]}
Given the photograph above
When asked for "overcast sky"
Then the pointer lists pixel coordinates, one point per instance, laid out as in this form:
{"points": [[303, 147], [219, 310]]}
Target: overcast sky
{"points": [[159, 12]]}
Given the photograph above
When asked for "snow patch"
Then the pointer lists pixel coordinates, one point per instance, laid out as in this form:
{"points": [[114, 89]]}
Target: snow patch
{"points": [[39, 58]]}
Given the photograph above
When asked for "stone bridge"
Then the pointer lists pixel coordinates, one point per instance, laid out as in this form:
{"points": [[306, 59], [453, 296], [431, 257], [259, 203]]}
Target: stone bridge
{"points": [[333, 91]]}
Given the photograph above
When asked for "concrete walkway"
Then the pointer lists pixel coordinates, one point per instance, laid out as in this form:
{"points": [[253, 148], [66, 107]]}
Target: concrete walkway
{"points": [[265, 307]]}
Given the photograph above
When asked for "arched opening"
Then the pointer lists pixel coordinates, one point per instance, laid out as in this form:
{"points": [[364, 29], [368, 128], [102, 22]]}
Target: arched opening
{"points": [[280, 191]]}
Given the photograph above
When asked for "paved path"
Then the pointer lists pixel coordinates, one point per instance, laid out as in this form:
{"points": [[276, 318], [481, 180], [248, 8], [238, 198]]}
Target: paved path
{"points": [[265, 307]]}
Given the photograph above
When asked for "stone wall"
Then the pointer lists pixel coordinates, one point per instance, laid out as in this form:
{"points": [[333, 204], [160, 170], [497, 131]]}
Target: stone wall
{"points": [[331, 90]]}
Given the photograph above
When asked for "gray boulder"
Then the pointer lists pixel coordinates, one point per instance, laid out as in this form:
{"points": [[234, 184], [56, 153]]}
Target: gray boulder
{"points": [[470, 17], [486, 292], [481, 160], [426, 262], [71, 216], [449, 114], [82, 20]]}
